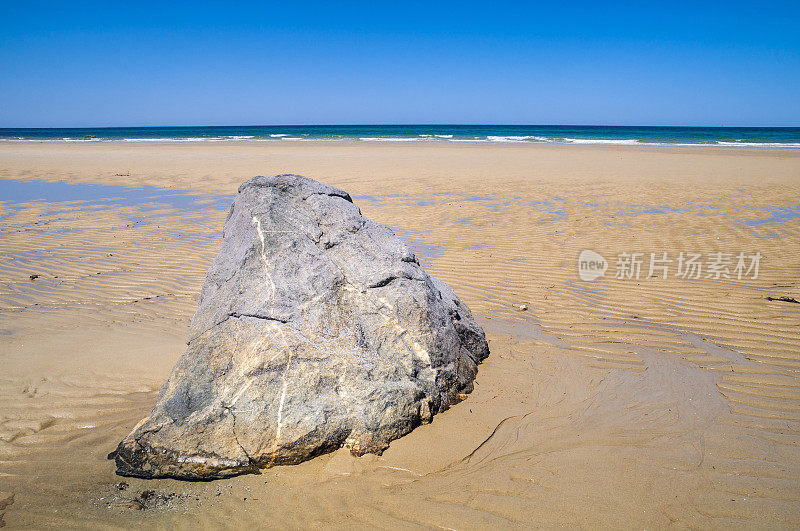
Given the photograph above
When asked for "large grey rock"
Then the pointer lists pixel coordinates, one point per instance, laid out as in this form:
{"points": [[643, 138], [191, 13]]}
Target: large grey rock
{"points": [[316, 329]]}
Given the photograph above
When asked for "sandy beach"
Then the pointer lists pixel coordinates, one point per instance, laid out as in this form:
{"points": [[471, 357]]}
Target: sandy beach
{"points": [[649, 400]]}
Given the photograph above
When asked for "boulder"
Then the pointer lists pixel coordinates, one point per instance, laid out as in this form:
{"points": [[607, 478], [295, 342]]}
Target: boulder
{"points": [[316, 328]]}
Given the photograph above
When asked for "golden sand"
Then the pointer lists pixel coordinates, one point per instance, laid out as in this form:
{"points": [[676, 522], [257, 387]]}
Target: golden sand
{"points": [[646, 402]]}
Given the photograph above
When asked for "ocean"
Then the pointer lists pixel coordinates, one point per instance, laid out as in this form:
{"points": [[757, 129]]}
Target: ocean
{"points": [[757, 137]]}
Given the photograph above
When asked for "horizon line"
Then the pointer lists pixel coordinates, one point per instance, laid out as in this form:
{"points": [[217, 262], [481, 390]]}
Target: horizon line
{"points": [[407, 125]]}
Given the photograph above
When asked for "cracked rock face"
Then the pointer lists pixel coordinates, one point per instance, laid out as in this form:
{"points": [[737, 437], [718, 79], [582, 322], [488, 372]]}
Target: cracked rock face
{"points": [[316, 329]]}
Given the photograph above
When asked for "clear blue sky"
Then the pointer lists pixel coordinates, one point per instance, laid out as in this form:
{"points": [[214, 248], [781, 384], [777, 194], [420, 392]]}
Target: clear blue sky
{"points": [[640, 63]]}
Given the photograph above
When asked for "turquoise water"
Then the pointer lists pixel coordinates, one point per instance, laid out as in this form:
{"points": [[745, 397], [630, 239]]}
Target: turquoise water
{"points": [[766, 137]]}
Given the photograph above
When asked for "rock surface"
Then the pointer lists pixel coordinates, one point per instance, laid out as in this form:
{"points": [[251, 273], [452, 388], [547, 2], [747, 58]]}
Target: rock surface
{"points": [[316, 329]]}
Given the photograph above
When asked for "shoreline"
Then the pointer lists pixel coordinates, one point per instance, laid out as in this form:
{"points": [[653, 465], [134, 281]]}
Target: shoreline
{"points": [[632, 135], [573, 143]]}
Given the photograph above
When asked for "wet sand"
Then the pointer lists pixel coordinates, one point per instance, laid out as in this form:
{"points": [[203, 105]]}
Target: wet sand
{"points": [[649, 402]]}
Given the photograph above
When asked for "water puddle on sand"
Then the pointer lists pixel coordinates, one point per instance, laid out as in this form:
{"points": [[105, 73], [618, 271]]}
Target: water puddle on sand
{"points": [[776, 215], [558, 208], [425, 252], [17, 193]]}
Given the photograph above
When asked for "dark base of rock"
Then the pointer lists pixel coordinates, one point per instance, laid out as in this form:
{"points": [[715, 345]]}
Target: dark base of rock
{"points": [[135, 460], [149, 464]]}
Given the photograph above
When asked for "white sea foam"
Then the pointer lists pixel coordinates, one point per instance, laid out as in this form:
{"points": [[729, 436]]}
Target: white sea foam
{"points": [[388, 139], [512, 139], [493, 138], [616, 141], [515, 139], [175, 139], [758, 144], [187, 139], [434, 137]]}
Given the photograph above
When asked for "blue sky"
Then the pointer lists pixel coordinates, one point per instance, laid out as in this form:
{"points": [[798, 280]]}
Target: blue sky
{"points": [[637, 63]]}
